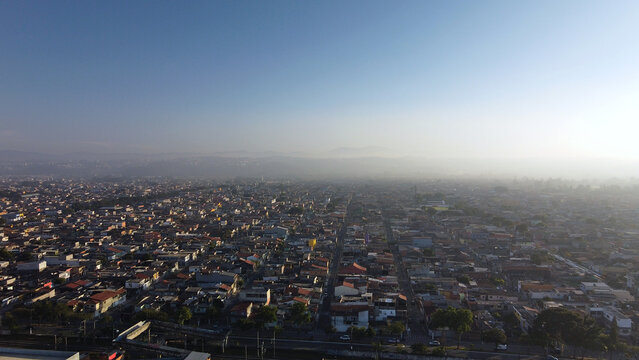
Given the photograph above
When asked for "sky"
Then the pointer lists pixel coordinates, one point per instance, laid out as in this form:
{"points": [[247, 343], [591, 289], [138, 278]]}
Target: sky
{"points": [[435, 79]]}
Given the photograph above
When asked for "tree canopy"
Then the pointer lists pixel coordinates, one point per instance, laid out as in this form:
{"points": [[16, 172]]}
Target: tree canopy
{"points": [[264, 315], [495, 335], [563, 326], [458, 320], [300, 314], [183, 315], [396, 328]]}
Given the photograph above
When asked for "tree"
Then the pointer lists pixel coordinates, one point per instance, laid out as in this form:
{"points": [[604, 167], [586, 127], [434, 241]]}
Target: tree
{"points": [[431, 211], [419, 348], [440, 351], [183, 315], [296, 210], [370, 332], [264, 315], [5, 254], [464, 279], [357, 332], [562, 326], [330, 330], [215, 309], [396, 328], [512, 323], [25, 256], [300, 314], [521, 228], [212, 313], [9, 322], [151, 314], [495, 335], [613, 338], [458, 320], [246, 324]]}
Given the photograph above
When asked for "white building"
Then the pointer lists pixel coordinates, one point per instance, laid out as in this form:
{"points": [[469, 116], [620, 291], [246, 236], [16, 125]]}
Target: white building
{"points": [[32, 266], [610, 314], [258, 295]]}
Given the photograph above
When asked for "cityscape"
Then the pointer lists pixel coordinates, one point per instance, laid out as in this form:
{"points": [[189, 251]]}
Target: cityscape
{"points": [[319, 180], [285, 269]]}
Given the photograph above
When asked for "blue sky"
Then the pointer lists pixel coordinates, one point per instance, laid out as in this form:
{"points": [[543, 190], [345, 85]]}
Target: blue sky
{"points": [[424, 78]]}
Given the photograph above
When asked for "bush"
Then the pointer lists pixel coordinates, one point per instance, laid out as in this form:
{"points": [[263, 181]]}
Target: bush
{"points": [[151, 314], [419, 348], [440, 351]]}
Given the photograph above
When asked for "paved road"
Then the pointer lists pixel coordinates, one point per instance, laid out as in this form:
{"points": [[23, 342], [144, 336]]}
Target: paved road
{"points": [[417, 332], [325, 313]]}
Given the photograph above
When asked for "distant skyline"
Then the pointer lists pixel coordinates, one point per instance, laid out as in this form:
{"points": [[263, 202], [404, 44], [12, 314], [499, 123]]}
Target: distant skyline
{"points": [[466, 79]]}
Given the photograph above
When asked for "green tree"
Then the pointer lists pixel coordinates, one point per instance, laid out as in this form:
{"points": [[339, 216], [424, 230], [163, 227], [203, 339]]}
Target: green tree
{"points": [[296, 210], [613, 338], [264, 315], [512, 323], [300, 314], [330, 330], [25, 256], [370, 332], [246, 324], [440, 351], [419, 348], [9, 322], [5, 254], [151, 314], [397, 328], [521, 228], [183, 315], [212, 313], [458, 320], [495, 335], [563, 326]]}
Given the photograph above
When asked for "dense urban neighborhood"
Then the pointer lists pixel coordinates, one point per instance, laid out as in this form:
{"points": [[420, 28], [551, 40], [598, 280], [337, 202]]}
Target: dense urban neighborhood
{"points": [[120, 268]]}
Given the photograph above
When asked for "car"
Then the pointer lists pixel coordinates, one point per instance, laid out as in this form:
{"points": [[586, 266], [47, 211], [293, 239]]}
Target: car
{"points": [[393, 341], [434, 343], [550, 357], [501, 347], [345, 337]]}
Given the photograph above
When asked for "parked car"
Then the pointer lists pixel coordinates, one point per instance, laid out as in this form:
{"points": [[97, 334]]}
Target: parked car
{"points": [[345, 337], [434, 343], [393, 341], [501, 347]]}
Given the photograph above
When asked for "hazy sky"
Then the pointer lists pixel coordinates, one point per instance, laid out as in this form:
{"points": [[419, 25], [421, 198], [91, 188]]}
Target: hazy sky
{"points": [[428, 78]]}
